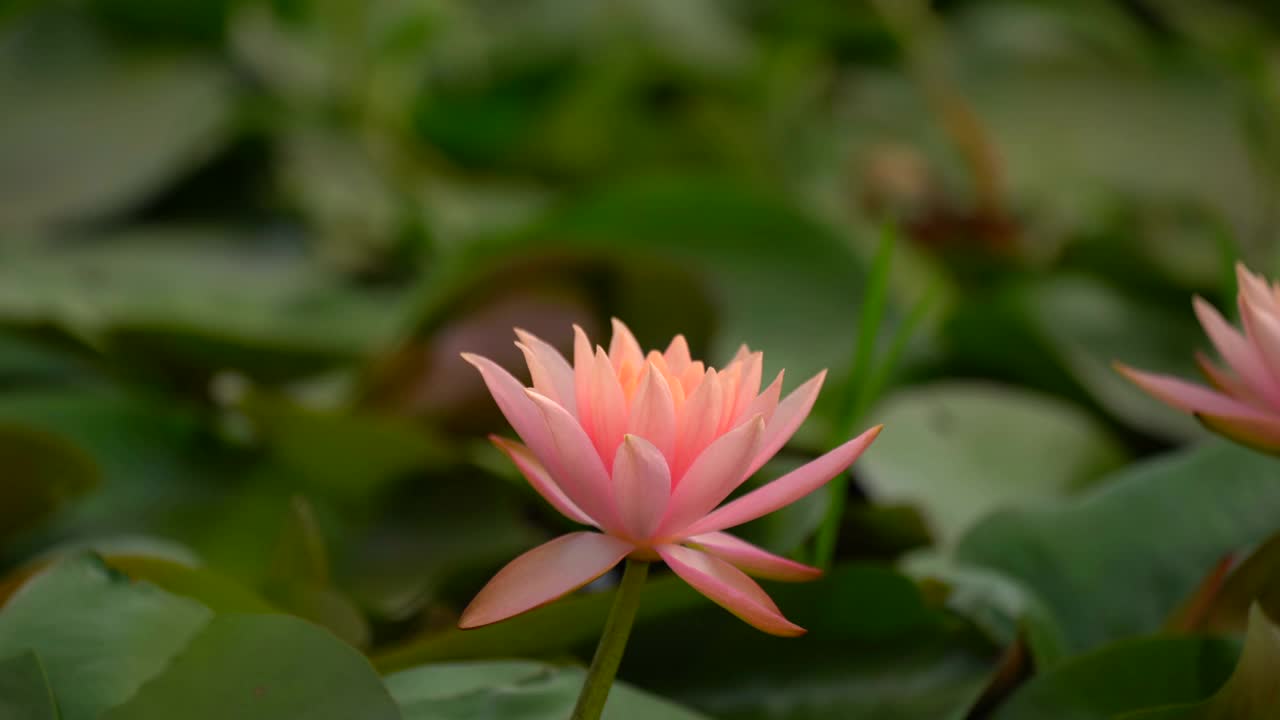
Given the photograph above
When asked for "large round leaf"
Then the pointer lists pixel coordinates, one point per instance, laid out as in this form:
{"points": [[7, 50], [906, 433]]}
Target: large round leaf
{"points": [[875, 650], [42, 471], [262, 667], [100, 635], [24, 689], [959, 450], [1065, 333], [89, 131], [777, 296], [1122, 678], [514, 690], [1118, 561]]}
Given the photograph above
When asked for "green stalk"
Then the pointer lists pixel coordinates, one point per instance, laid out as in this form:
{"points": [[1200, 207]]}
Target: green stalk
{"points": [[604, 667]]}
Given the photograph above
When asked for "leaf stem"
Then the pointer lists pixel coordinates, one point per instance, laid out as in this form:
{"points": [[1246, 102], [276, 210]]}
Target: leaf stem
{"points": [[617, 628]]}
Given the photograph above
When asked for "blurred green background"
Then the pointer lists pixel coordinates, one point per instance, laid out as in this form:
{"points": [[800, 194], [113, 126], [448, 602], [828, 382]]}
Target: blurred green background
{"points": [[242, 243]]}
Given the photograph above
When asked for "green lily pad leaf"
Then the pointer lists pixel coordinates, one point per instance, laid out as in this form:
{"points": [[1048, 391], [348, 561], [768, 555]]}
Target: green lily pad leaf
{"points": [[554, 629], [42, 472], [262, 667], [84, 620], [298, 579], [875, 650], [1065, 334], [349, 454], [153, 457], [1252, 690], [1124, 677], [1148, 535], [153, 118], [959, 450], [191, 301], [24, 689], [779, 297], [178, 576], [514, 690], [205, 585]]}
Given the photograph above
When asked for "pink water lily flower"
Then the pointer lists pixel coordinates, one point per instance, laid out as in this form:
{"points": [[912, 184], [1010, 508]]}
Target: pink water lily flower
{"points": [[1244, 403], [644, 449]]}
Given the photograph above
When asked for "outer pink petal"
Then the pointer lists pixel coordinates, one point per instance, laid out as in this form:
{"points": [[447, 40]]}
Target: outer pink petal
{"points": [[1253, 287], [1261, 435], [519, 410], [729, 588], [786, 489], [1191, 398], [699, 420], [540, 479], [751, 559], [1236, 351], [544, 574], [788, 418], [641, 485], [766, 403], [1221, 378], [653, 412], [623, 347], [608, 407], [557, 380], [718, 471], [580, 472]]}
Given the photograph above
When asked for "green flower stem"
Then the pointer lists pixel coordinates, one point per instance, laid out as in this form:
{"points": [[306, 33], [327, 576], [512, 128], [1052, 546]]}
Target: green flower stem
{"points": [[604, 667]]}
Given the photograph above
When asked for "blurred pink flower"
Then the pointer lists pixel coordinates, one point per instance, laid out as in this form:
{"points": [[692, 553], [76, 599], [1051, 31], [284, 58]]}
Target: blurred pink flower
{"points": [[1245, 402], [644, 448]]}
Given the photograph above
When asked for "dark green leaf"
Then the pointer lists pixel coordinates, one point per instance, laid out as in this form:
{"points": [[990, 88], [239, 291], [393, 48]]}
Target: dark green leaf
{"points": [[774, 296], [24, 690], [1120, 678], [84, 620], [42, 472], [874, 650], [262, 667], [153, 117], [514, 690], [1147, 536], [960, 450], [1252, 690]]}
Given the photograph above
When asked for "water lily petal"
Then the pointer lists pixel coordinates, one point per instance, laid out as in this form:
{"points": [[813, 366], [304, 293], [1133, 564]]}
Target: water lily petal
{"points": [[786, 489], [766, 403], [555, 377], [677, 355], [1264, 330], [544, 574], [718, 471], [1190, 397], [641, 486], [698, 422], [522, 413], [653, 412], [608, 407], [540, 479], [788, 418], [1222, 379], [729, 588], [1261, 435], [584, 363], [751, 559], [623, 347], [579, 470]]}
